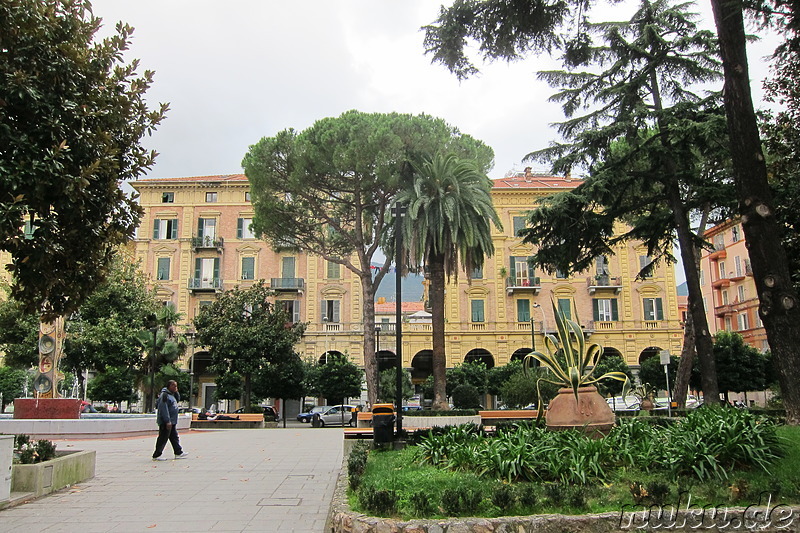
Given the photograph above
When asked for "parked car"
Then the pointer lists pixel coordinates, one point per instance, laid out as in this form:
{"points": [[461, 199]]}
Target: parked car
{"points": [[338, 415], [412, 408], [269, 413], [306, 417]]}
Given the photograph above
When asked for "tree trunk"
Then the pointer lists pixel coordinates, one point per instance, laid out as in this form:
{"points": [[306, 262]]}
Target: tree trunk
{"points": [[703, 342], [684, 374], [779, 304], [247, 388], [436, 264], [370, 359]]}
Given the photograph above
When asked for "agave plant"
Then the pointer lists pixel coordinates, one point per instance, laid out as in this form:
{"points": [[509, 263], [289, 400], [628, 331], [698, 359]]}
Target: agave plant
{"points": [[570, 360]]}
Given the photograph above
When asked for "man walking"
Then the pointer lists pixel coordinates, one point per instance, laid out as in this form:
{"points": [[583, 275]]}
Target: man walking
{"points": [[167, 420]]}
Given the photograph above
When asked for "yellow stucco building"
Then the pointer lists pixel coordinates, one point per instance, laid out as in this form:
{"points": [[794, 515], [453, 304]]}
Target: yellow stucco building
{"points": [[195, 242]]}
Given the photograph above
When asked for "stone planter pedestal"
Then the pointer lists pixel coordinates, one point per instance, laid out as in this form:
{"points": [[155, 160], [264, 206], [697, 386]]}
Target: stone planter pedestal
{"points": [[43, 478]]}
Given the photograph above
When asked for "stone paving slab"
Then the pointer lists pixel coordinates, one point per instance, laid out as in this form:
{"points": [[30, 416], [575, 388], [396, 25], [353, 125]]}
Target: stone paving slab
{"points": [[266, 480]]}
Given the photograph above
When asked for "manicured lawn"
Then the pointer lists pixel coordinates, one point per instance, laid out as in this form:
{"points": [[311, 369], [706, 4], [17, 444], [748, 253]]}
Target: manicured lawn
{"points": [[464, 480]]}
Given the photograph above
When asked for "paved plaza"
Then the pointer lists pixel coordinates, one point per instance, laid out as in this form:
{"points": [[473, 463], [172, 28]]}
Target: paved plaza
{"points": [[234, 480]]}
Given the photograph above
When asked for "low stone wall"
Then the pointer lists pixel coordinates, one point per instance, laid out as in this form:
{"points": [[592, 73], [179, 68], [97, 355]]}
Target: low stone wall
{"points": [[43, 478], [94, 426], [411, 422]]}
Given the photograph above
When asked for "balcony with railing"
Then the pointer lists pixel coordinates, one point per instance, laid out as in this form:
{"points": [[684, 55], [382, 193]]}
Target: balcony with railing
{"points": [[604, 282], [205, 284], [287, 284], [719, 251], [722, 282], [523, 284], [207, 243]]}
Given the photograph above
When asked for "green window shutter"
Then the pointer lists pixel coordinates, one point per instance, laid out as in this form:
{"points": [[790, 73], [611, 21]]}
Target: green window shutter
{"points": [[595, 309], [323, 310], [513, 270], [523, 310], [156, 224], [239, 228], [200, 228], [659, 310], [248, 267], [531, 269], [564, 305], [296, 311], [174, 229], [333, 270], [216, 268], [519, 223], [288, 267], [163, 268], [336, 311], [198, 268], [477, 311], [614, 310]]}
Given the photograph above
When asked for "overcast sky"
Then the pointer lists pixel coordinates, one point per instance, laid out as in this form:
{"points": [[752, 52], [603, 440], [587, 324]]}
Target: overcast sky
{"points": [[234, 72]]}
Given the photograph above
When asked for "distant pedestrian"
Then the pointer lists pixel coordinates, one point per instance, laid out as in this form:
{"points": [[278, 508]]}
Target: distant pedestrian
{"points": [[167, 420]]}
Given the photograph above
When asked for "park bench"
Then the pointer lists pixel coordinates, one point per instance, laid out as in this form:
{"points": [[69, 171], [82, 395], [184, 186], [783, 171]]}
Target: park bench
{"points": [[245, 421], [491, 418]]}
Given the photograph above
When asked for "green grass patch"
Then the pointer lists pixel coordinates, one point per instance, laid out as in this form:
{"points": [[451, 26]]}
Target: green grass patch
{"points": [[719, 459]]}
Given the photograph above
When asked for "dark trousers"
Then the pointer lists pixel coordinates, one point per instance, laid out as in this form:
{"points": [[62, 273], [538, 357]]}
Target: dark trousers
{"points": [[165, 433]]}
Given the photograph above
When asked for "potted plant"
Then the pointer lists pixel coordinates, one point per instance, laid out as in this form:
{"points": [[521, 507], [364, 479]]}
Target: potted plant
{"points": [[571, 362], [645, 394]]}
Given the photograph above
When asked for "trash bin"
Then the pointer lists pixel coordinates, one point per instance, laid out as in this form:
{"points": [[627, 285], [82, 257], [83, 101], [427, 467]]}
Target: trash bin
{"points": [[315, 421], [382, 423]]}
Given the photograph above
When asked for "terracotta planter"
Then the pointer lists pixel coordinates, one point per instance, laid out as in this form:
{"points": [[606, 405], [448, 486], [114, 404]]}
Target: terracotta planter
{"points": [[590, 413]]}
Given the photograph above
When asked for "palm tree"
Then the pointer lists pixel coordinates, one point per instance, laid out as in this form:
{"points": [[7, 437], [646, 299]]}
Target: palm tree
{"points": [[166, 348], [449, 220]]}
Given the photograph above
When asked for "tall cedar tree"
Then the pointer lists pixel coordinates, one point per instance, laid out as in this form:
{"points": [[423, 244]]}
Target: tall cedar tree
{"points": [[653, 148], [448, 225], [72, 116], [244, 331], [328, 191], [509, 30]]}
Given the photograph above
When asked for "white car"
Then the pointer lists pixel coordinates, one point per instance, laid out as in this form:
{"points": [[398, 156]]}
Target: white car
{"points": [[618, 403]]}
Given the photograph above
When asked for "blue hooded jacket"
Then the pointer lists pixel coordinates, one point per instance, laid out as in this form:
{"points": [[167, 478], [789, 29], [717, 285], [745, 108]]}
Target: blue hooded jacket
{"points": [[167, 407]]}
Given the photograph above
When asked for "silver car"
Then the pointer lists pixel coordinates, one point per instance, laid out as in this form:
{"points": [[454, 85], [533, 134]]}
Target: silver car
{"points": [[337, 415]]}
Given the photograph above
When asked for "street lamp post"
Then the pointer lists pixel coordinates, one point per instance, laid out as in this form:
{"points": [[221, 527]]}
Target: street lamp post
{"points": [[325, 327], [191, 366], [664, 355]]}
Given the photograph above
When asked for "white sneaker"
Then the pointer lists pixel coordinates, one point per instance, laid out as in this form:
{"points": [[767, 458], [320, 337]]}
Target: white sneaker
{"points": [[160, 458], [183, 455]]}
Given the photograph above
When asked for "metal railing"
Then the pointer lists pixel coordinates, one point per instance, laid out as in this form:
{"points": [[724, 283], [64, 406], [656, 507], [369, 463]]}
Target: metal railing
{"points": [[205, 284], [287, 283], [207, 242]]}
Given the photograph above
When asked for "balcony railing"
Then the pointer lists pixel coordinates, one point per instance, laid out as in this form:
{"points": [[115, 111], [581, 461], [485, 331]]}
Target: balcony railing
{"points": [[205, 284], [287, 284], [604, 282], [530, 284], [207, 242]]}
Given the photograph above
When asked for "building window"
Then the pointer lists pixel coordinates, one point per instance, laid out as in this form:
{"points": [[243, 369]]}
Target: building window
{"points": [[522, 272], [207, 229], [167, 197], [605, 309], [744, 321], [702, 277], [477, 273], [644, 262], [206, 271], [330, 311], [292, 308], [165, 228], [162, 270], [523, 310], [728, 324], [719, 241], [477, 310], [560, 274], [721, 270], [29, 229], [244, 229], [288, 267], [248, 267], [740, 293], [334, 270], [565, 306], [519, 224], [653, 309], [724, 297], [737, 265], [601, 265], [247, 196], [211, 197], [735, 234]]}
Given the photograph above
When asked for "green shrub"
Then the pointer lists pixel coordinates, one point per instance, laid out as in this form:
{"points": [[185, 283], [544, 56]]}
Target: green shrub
{"points": [[460, 500], [658, 491], [451, 502], [378, 501], [526, 494], [420, 503], [46, 450], [504, 497], [466, 396], [356, 464]]}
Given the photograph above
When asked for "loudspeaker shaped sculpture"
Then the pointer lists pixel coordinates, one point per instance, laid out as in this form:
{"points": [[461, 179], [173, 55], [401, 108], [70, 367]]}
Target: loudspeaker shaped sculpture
{"points": [[51, 348]]}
